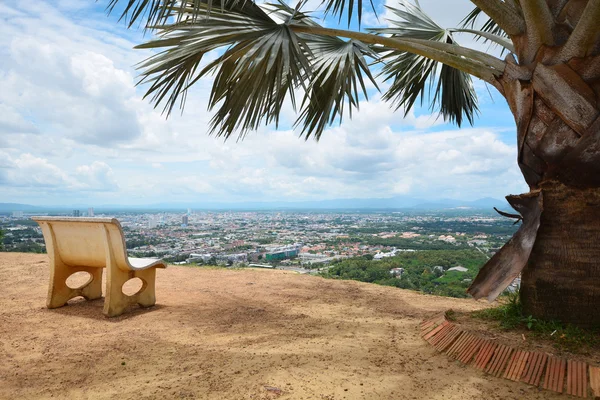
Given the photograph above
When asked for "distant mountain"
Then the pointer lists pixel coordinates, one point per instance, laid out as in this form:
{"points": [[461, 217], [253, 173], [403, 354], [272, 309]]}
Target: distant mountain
{"points": [[10, 207], [398, 202]]}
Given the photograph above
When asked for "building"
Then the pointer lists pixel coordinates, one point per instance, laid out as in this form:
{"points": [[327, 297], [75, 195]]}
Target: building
{"points": [[76, 213], [91, 212], [17, 214], [152, 222], [447, 238], [184, 221], [458, 268], [282, 253], [397, 272]]}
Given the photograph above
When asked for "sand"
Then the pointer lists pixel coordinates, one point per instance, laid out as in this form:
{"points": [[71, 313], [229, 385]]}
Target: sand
{"points": [[232, 334]]}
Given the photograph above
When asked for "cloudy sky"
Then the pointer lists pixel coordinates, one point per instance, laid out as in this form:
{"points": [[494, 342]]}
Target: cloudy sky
{"points": [[75, 130]]}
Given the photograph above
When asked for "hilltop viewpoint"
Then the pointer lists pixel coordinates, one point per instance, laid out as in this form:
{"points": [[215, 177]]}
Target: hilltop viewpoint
{"points": [[232, 334]]}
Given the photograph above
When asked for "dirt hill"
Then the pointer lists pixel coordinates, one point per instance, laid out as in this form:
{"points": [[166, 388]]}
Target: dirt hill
{"points": [[231, 334]]}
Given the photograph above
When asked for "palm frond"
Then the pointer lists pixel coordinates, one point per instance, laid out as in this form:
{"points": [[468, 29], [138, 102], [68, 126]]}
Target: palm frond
{"points": [[153, 13], [337, 76], [253, 79], [281, 10], [338, 7], [487, 36], [490, 32], [489, 26], [453, 95], [338, 70], [262, 63]]}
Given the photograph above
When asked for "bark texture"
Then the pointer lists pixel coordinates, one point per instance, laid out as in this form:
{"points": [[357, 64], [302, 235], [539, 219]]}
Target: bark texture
{"points": [[558, 129], [553, 89], [562, 278]]}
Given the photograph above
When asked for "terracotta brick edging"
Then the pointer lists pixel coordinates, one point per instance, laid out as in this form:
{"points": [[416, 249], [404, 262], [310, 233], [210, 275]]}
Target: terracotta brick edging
{"points": [[534, 368]]}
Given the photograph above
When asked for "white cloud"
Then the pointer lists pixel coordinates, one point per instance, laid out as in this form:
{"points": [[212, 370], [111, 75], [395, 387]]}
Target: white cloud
{"points": [[96, 176], [28, 170], [31, 172], [80, 95], [99, 142], [13, 122]]}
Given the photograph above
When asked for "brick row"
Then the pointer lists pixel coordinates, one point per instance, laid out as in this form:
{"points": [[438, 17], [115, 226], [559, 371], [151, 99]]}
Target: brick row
{"points": [[429, 325], [436, 319], [449, 339], [499, 360], [446, 327], [485, 354], [555, 374], [465, 343], [595, 381], [436, 330], [577, 378], [516, 365], [470, 350], [456, 345], [535, 368]]}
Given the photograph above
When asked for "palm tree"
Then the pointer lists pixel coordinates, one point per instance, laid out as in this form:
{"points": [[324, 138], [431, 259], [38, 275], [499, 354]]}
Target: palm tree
{"points": [[550, 77]]}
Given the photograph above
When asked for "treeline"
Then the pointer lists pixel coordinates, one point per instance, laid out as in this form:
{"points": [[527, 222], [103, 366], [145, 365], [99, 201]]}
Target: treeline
{"points": [[414, 244], [22, 241], [502, 227], [133, 241], [401, 243], [419, 272]]}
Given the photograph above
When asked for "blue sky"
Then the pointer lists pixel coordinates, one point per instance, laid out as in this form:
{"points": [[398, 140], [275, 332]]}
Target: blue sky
{"points": [[74, 129]]}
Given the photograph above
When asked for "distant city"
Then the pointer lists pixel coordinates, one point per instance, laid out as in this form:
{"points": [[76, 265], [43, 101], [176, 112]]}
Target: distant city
{"points": [[302, 241]]}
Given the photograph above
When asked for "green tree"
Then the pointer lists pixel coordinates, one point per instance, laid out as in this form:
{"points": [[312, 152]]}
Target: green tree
{"points": [[549, 78], [1, 240]]}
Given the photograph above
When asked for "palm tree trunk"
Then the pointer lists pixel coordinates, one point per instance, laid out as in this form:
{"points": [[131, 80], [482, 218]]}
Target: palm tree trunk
{"points": [[561, 281], [559, 155], [557, 114]]}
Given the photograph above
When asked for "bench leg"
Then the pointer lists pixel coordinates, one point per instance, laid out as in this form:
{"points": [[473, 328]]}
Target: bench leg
{"points": [[116, 301], [58, 291], [93, 290], [147, 297]]}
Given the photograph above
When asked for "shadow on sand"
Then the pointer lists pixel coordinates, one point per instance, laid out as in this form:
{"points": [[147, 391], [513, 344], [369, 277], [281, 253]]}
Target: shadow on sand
{"points": [[92, 309]]}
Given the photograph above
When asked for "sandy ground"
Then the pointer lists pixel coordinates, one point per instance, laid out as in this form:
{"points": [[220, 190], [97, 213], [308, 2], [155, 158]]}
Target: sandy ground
{"points": [[231, 334]]}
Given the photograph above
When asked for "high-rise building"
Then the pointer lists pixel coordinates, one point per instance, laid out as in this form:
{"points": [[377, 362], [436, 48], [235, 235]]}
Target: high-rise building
{"points": [[184, 220], [152, 222], [17, 214], [91, 212], [76, 213]]}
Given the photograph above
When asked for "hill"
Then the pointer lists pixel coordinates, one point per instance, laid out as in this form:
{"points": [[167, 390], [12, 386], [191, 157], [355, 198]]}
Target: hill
{"points": [[391, 203], [231, 334]]}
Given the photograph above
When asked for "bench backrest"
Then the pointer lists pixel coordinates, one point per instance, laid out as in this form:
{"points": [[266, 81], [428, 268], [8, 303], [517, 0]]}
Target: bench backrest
{"points": [[84, 241]]}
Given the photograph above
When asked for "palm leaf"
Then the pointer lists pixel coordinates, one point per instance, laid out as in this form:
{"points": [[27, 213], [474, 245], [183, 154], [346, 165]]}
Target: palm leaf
{"points": [[158, 12], [338, 7], [338, 70], [262, 63], [253, 79], [453, 95], [489, 26], [337, 75]]}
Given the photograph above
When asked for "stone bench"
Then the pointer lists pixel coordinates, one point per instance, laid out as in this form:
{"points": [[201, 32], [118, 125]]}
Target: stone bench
{"points": [[91, 245]]}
